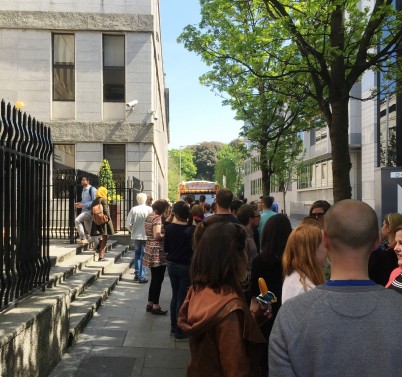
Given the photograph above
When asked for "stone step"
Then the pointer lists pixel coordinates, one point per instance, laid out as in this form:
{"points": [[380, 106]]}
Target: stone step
{"points": [[68, 261], [53, 317], [87, 303]]}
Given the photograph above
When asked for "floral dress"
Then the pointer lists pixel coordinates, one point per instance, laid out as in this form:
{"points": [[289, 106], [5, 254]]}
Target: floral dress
{"points": [[154, 255]]}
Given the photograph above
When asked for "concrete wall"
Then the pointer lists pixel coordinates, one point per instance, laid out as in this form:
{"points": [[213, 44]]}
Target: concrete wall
{"points": [[25, 66], [34, 336], [99, 6]]}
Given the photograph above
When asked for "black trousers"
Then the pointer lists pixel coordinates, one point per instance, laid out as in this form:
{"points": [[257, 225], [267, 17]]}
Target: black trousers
{"points": [[157, 276]]}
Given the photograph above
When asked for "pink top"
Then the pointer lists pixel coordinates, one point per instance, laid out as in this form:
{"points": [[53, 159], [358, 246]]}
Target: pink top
{"points": [[393, 276]]}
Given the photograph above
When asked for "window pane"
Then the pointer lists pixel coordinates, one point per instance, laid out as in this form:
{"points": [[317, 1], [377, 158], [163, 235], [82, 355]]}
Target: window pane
{"points": [[113, 50], [113, 68], [116, 155], [63, 49], [63, 156], [63, 84], [113, 85]]}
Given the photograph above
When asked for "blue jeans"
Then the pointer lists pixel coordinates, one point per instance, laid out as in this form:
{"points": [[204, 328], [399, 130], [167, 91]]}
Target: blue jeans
{"points": [[180, 281], [139, 249]]}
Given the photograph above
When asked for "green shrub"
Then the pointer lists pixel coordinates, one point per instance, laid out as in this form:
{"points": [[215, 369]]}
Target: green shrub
{"points": [[106, 180]]}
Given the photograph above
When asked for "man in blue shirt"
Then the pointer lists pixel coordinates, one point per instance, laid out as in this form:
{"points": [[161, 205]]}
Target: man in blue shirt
{"points": [[85, 217], [266, 204], [275, 206]]}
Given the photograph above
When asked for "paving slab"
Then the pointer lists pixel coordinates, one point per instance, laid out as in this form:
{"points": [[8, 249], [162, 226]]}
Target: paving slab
{"points": [[122, 339], [96, 366]]}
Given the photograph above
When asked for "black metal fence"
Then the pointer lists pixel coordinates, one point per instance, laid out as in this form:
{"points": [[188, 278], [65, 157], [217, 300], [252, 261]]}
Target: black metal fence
{"points": [[66, 190], [25, 150]]}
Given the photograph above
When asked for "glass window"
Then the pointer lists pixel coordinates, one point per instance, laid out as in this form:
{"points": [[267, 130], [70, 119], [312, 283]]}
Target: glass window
{"points": [[113, 68], [63, 67], [116, 155], [63, 156]]}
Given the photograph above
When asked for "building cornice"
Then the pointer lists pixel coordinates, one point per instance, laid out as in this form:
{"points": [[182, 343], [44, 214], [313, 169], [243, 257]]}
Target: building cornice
{"points": [[100, 132], [76, 21]]}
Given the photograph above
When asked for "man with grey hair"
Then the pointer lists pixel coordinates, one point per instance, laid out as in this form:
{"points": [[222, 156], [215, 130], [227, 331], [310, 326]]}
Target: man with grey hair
{"points": [[349, 326], [135, 224]]}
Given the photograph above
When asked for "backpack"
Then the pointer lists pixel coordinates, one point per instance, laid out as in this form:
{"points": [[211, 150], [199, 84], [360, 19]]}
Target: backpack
{"points": [[98, 217]]}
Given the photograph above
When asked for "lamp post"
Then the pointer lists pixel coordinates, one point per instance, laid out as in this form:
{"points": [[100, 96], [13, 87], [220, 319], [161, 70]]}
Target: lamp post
{"points": [[181, 146]]}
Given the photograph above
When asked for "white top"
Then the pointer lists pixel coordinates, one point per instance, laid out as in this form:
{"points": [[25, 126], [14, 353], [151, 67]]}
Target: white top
{"points": [[292, 286], [135, 221]]}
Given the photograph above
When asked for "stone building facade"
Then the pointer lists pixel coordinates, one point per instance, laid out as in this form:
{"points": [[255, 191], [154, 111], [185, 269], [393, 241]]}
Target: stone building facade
{"points": [[76, 65]]}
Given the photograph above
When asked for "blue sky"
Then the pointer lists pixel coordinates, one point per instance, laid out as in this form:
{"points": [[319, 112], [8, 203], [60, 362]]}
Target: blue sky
{"points": [[196, 114]]}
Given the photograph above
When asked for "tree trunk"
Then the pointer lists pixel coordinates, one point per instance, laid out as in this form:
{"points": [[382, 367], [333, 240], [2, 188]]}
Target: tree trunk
{"points": [[265, 171], [341, 164], [266, 180]]}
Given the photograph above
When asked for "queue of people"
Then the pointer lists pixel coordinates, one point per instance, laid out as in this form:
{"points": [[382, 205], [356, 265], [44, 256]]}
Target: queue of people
{"points": [[332, 280]]}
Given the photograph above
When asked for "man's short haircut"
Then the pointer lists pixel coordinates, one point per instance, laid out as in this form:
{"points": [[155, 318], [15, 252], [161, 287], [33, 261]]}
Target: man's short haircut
{"points": [[267, 200], [351, 223], [202, 198], [236, 204], [181, 210], [245, 212], [190, 198], [141, 198], [224, 197]]}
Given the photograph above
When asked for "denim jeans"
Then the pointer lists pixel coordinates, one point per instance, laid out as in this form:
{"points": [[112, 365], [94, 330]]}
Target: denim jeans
{"points": [[180, 281], [139, 249]]}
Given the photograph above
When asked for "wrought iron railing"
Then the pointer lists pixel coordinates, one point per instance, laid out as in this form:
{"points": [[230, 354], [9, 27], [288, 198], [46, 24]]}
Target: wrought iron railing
{"points": [[66, 190], [25, 150]]}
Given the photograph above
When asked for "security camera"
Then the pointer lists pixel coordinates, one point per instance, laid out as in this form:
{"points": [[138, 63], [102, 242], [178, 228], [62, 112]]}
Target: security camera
{"points": [[132, 104]]}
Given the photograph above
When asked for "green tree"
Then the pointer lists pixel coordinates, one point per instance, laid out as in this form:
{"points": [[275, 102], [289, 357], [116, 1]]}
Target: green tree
{"points": [[173, 176], [231, 165], [206, 157], [226, 166], [288, 162], [188, 168], [106, 180], [321, 48], [269, 116]]}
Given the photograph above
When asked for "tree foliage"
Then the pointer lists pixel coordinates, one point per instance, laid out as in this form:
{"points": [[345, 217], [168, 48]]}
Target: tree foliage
{"points": [[311, 52], [173, 176], [188, 168], [205, 159], [230, 164], [106, 180]]}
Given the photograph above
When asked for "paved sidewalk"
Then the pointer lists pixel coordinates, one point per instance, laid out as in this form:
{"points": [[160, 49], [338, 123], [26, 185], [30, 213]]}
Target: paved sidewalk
{"points": [[123, 340]]}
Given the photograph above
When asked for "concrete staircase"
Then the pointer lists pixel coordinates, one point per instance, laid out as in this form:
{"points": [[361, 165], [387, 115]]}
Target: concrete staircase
{"points": [[37, 331]]}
